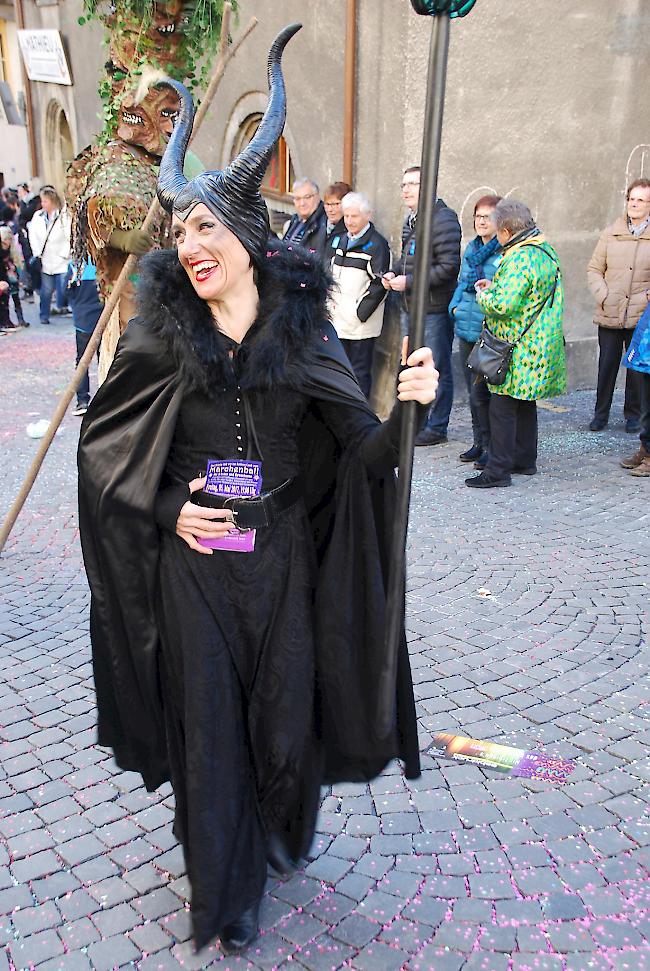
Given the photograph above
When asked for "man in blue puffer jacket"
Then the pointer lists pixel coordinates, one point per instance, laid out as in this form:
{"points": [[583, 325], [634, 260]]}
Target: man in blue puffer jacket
{"points": [[480, 261]]}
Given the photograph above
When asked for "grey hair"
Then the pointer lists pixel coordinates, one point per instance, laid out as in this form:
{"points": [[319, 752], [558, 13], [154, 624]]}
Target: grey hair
{"points": [[356, 199], [514, 216], [305, 181]]}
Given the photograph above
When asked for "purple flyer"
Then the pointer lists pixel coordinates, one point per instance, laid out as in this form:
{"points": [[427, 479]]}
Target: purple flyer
{"points": [[543, 767], [237, 479]]}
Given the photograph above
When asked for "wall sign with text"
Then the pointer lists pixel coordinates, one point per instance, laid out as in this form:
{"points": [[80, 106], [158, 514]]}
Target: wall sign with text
{"points": [[44, 56]]}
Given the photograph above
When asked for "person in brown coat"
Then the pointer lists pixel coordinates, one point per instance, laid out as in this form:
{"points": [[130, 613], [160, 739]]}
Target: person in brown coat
{"points": [[619, 278]]}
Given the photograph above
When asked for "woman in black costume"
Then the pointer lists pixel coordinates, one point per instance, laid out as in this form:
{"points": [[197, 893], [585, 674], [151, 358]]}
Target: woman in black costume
{"points": [[247, 678]]}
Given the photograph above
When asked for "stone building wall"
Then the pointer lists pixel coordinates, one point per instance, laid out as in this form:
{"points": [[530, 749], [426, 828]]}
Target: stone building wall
{"points": [[543, 102]]}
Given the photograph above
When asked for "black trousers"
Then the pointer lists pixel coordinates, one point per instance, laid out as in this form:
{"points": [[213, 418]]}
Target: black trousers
{"points": [[360, 357], [513, 435], [611, 343], [479, 398], [644, 387]]}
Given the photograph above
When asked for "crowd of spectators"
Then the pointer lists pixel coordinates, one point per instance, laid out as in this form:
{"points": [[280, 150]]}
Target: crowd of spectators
{"points": [[35, 233], [508, 284]]}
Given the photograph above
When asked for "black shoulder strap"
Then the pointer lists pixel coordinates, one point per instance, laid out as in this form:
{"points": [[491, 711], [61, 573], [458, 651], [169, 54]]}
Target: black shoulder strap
{"points": [[549, 296], [48, 234]]}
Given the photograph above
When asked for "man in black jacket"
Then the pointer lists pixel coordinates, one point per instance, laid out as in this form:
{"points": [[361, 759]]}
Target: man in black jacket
{"points": [[443, 273], [308, 226]]}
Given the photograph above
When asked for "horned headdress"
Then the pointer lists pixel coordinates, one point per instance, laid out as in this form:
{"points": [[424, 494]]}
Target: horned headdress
{"points": [[233, 195]]}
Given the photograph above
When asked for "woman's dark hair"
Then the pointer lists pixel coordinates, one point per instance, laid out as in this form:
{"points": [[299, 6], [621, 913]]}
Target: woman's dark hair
{"points": [[491, 201], [7, 214], [338, 189]]}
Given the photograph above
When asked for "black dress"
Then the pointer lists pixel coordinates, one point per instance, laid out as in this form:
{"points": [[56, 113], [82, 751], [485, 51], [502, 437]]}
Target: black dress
{"points": [[248, 678], [238, 658]]}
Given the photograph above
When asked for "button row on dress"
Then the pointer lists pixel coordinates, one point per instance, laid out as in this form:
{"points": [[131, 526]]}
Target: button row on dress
{"points": [[237, 424]]}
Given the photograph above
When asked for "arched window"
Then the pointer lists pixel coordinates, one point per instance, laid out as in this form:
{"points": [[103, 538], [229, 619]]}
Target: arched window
{"points": [[279, 176], [59, 147]]}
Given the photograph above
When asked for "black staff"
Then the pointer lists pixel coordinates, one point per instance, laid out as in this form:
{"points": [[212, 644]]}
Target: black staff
{"points": [[441, 11]]}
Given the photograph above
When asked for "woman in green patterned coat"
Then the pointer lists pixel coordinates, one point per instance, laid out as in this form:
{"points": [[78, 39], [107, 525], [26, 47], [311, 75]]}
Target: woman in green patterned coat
{"points": [[526, 289]]}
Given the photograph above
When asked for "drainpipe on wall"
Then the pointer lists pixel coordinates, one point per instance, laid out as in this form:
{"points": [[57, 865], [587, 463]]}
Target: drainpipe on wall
{"points": [[350, 89], [29, 109]]}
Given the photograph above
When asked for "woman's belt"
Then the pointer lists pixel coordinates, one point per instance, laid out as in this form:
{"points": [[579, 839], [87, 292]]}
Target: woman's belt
{"points": [[259, 511]]}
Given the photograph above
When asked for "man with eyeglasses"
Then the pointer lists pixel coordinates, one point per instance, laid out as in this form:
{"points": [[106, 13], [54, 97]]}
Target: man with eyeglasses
{"points": [[308, 226], [443, 273]]}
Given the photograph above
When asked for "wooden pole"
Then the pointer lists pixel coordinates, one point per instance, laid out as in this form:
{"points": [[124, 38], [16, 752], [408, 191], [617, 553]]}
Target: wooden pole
{"points": [[350, 71], [128, 268]]}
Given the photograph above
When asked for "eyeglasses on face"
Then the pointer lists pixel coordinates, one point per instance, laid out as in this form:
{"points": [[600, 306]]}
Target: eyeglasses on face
{"points": [[483, 217], [304, 198], [405, 185]]}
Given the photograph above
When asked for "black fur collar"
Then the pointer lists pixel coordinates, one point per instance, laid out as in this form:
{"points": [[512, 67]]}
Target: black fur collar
{"points": [[293, 288]]}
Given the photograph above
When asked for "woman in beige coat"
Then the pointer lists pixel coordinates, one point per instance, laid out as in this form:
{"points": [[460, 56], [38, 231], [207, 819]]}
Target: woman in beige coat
{"points": [[619, 278]]}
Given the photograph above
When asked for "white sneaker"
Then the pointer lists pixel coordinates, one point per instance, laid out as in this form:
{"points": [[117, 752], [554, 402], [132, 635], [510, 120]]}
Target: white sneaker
{"points": [[80, 410]]}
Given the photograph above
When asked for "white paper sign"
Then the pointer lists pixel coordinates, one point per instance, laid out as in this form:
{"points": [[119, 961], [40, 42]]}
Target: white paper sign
{"points": [[44, 56]]}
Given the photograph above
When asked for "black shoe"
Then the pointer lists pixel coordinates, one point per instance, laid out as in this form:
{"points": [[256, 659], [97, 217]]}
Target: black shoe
{"points": [[45, 321], [278, 856], [241, 932], [427, 437], [597, 425], [529, 470], [481, 462], [632, 426], [485, 481], [23, 323], [472, 454]]}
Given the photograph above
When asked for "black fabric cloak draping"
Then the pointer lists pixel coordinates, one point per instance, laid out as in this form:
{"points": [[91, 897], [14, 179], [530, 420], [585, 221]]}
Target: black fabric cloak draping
{"points": [[124, 444]]}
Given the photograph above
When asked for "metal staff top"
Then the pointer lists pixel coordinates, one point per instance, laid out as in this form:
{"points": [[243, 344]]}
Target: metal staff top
{"points": [[454, 8]]}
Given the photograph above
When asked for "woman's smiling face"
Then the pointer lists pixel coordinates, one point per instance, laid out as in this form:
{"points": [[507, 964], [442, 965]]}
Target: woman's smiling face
{"points": [[211, 255]]}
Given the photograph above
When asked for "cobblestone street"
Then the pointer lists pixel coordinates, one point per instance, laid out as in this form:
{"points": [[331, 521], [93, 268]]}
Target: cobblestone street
{"points": [[527, 622]]}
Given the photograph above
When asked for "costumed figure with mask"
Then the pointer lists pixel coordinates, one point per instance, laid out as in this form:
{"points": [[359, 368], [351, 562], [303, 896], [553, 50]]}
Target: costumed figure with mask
{"points": [[111, 185], [250, 677]]}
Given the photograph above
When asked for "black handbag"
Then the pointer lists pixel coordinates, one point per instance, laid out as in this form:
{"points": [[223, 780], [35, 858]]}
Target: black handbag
{"points": [[490, 357]]}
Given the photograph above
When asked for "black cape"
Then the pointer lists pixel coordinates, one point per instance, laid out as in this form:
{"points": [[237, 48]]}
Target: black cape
{"points": [[125, 439]]}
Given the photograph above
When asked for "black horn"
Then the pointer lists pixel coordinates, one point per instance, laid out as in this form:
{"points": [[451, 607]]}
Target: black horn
{"points": [[171, 180], [232, 195]]}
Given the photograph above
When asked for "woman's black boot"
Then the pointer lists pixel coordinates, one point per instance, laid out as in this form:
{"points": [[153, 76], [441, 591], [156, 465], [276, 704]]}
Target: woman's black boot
{"points": [[278, 856], [241, 932]]}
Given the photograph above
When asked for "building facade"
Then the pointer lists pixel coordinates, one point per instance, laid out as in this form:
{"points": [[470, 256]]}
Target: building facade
{"points": [[543, 103]]}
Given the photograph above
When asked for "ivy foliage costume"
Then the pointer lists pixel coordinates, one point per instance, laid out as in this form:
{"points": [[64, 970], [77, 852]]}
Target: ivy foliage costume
{"points": [[523, 281], [112, 184]]}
